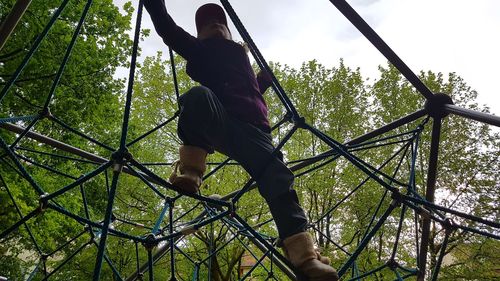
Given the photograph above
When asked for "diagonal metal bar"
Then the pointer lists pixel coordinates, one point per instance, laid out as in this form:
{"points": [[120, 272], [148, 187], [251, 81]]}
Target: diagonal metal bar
{"points": [[144, 180], [472, 114], [388, 127], [54, 143], [340, 247], [155, 178], [193, 227], [408, 201], [10, 22], [281, 264], [67, 243], [451, 211], [257, 264], [116, 274], [260, 59], [378, 43], [74, 150], [166, 206], [265, 244], [33, 49]]}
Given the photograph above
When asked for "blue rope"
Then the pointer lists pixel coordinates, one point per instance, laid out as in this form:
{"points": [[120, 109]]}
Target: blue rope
{"points": [[160, 219], [16, 119], [195, 273]]}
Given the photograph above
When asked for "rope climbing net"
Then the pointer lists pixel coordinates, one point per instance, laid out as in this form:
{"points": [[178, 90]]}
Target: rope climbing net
{"points": [[161, 243]]}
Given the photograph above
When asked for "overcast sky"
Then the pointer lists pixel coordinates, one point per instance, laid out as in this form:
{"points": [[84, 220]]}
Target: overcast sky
{"points": [[445, 36]]}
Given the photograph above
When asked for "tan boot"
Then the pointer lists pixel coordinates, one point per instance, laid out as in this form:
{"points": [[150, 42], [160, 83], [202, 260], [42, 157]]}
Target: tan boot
{"points": [[299, 249], [189, 170]]}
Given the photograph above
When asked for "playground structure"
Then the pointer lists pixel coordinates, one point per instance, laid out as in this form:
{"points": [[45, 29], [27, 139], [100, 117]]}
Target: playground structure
{"points": [[163, 242]]}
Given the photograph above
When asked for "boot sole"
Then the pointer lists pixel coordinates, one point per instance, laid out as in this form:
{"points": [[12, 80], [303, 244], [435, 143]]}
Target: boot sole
{"points": [[185, 184]]}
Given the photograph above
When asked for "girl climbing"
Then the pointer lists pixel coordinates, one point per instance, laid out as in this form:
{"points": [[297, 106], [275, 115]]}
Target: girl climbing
{"points": [[228, 114]]}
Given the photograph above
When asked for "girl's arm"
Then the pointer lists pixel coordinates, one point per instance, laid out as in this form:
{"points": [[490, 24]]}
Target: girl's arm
{"points": [[174, 36]]}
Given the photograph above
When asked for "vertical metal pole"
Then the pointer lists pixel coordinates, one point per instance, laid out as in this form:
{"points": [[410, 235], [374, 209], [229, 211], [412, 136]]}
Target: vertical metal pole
{"points": [[429, 195], [413, 186], [150, 264], [137, 258]]}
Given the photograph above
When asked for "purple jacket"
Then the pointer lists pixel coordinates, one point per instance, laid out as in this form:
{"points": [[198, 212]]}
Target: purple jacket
{"points": [[219, 64]]}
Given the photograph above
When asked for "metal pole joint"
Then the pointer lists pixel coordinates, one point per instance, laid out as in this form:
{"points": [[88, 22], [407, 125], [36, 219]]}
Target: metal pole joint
{"points": [[215, 206], [150, 242], [397, 198], [449, 225], [299, 121], [435, 105], [43, 203], [232, 209], [120, 157], [392, 264], [46, 113]]}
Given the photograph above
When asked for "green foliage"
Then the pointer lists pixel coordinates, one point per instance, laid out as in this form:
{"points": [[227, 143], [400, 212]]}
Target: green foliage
{"points": [[87, 98], [337, 100]]}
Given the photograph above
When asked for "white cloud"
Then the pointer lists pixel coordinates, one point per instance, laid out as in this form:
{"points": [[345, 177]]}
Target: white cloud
{"points": [[442, 36]]}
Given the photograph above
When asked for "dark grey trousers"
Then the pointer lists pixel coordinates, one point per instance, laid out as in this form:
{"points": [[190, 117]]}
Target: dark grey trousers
{"points": [[203, 122]]}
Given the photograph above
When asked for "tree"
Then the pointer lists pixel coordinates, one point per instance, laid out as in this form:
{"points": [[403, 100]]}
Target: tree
{"points": [[337, 100], [87, 99]]}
